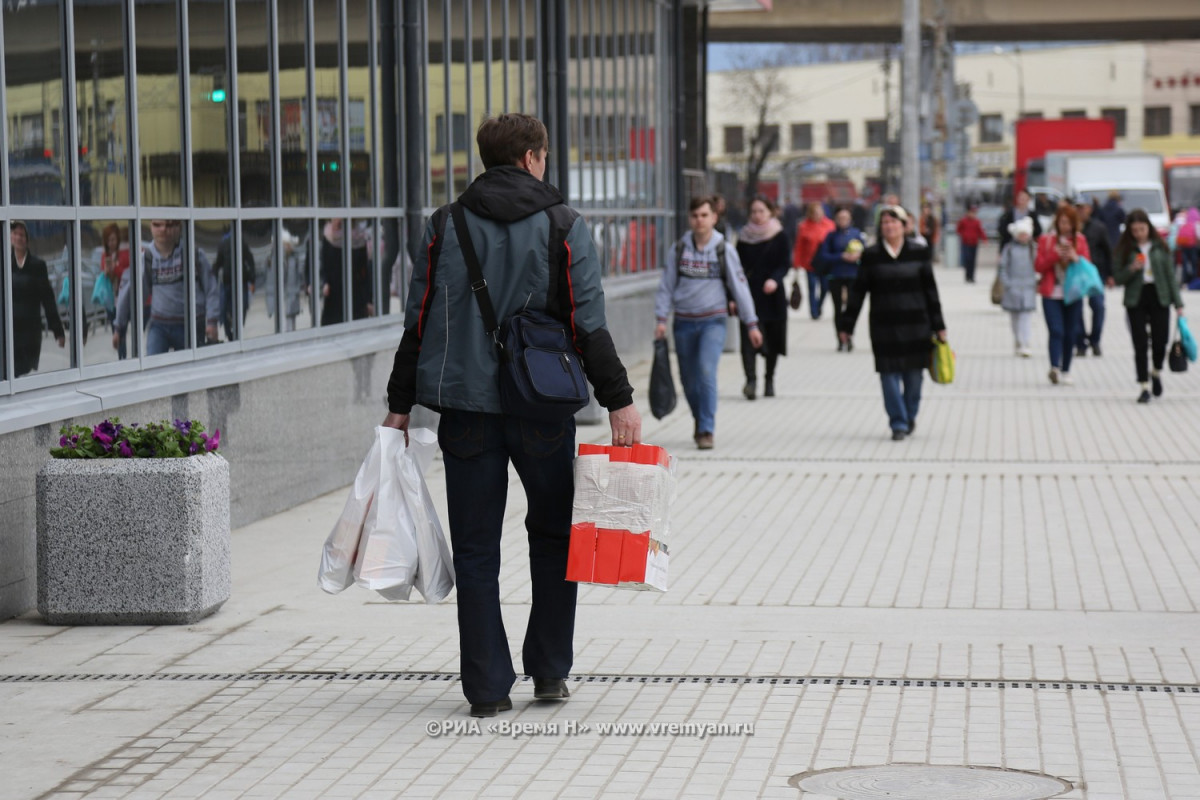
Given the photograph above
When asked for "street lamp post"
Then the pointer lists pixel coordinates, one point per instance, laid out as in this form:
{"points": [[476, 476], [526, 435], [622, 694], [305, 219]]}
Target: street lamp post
{"points": [[1015, 55]]}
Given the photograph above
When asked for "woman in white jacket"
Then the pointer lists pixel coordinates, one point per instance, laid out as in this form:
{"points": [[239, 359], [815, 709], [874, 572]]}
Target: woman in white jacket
{"points": [[1019, 280]]}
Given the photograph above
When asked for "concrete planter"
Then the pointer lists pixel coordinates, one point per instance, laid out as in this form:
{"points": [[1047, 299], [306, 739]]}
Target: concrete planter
{"points": [[139, 541]]}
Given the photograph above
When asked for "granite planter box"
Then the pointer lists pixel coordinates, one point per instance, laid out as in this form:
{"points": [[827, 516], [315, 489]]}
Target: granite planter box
{"points": [[139, 541]]}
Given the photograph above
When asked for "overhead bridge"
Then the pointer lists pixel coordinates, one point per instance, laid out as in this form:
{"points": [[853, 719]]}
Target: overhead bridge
{"points": [[969, 20]]}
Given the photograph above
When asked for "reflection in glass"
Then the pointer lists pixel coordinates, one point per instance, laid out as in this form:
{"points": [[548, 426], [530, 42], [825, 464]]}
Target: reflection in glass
{"points": [[397, 266], [104, 262], [333, 271], [328, 89], [298, 246], [258, 249], [293, 102], [209, 85], [100, 92], [158, 105], [254, 104], [228, 263], [37, 147], [165, 266], [361, 112], [215, 261], [40, 260]]}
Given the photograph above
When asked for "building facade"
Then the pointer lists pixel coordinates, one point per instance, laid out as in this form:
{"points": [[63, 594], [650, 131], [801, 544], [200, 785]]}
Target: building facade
{"points": [[295, 148]]}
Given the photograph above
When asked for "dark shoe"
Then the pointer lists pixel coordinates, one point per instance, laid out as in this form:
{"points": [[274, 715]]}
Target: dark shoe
{"points": [[899, 436], [841, 346], [550, 689], [491, 709], [748, 390], [1156, 385], [769, 388], [704, 441], [1081, 351], [912, 426], [849, 345], [1144, 397], [1096, 349]]}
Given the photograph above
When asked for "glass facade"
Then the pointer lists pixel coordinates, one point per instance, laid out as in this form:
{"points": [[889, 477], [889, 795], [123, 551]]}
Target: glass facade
{"points": [[193, 178]]}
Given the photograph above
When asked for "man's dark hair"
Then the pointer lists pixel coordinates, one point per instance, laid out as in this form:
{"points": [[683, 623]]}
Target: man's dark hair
{"points": [[702, 199], [504, 140]]}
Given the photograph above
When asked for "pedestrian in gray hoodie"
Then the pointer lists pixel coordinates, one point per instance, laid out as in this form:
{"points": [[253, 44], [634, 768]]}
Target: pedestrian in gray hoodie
{"points": [[164, 275], [702, 278]]}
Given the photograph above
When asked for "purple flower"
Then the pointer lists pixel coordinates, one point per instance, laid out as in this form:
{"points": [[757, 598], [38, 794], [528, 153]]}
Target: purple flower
{"points": [[104, 439], [125, 450], [63, 441], [106, 428], [211, 443], [75, 439], [183, 427]]}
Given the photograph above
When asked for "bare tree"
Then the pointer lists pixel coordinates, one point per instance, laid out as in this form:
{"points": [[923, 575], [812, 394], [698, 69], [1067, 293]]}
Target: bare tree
{"points": [[759, 87]]}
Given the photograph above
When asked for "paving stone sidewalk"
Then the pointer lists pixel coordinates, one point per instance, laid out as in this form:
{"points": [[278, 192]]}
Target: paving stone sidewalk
{"points": [[1016, 586]]}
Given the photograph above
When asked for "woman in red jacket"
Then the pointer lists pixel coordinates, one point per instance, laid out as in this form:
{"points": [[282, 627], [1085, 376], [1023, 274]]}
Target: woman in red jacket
{"points": [[1057, 250], [809, 235]]}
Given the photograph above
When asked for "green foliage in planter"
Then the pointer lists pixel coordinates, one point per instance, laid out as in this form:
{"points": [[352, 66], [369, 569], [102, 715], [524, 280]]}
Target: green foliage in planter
{"points": [[111, 439]]}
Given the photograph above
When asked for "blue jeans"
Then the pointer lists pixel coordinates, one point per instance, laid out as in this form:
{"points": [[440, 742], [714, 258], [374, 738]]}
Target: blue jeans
{"points": [[163, 337], [818, 287], [1063, 323], [698, 343], [967, 255], [1084, 338], [902, 397], [477, 449]]}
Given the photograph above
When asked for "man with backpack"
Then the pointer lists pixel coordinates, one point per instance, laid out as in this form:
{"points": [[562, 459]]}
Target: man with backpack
{"points": [[1097, 238], [534, 254], [702, 281]]}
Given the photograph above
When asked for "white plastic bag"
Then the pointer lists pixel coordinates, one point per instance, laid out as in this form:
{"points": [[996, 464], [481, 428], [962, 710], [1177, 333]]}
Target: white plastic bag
{"points": [[387, 551], [341, 548], [435, 565]]}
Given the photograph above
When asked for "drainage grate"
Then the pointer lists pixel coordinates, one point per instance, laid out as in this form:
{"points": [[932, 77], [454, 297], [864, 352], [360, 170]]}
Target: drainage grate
{"points": [[929, 782], [666, 680]]}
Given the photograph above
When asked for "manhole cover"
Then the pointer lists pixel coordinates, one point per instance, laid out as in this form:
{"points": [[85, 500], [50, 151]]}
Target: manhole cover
{"points": [[926, 782]]}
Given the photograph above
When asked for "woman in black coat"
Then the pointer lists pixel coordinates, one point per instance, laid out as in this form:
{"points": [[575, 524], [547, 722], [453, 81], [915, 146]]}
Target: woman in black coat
{"points": [[331, 275], [766, 258], [905, 315], [32, 295]]}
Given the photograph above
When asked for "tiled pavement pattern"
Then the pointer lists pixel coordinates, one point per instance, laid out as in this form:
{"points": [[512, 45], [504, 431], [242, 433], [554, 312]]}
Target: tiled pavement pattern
{"points": [[1016, 586]]}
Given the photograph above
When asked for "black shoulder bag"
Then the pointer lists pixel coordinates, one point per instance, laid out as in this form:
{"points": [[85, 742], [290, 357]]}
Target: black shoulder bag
{"points": [[541, 376]]}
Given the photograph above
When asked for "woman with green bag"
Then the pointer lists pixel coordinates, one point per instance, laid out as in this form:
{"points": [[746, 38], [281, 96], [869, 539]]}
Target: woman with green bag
{"points": [[1145, 267], [905, 310]]}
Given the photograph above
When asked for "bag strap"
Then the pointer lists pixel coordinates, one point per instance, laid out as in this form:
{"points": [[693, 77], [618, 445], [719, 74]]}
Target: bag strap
{"points": [[475, 274]]}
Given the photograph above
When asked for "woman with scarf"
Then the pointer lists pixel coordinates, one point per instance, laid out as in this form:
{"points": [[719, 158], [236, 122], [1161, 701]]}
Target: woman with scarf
{"points": [[763, 249], [332, 281]]}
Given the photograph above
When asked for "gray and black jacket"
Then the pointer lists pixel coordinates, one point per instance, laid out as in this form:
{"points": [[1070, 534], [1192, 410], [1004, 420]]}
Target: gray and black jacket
{"points": [[535, 252]]}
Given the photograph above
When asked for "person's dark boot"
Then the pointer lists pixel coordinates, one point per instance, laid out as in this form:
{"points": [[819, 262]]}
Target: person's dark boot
{"points": [[491, 709], [749, 390], [769, 388], [1156, 385], [550, 689]]}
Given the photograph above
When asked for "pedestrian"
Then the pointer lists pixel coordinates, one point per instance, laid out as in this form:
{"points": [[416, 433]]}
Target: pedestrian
{"points": [[1022, 206], [1019, 279], [32, 296], [838, 258], [114, 260], [164, 278], [763, 250], [1184, 240], [812, 232], [225, 266], [930, 228], [970, 236], [445, 361], [332, 276], [295, 278], [1143, 265], [1060, 247], [1113, 217], [906, 314], [703, 276], [1101, 255]]}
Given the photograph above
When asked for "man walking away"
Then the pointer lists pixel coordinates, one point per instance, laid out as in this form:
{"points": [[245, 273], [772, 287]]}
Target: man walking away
{"points": [[1097, 238], [534, 253]]}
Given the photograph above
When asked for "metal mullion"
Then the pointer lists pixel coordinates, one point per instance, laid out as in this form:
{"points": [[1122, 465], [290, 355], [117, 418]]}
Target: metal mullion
{"points": [[373, 99], [578, 20], [65, 213], [521, 51], [92, 213], [448, 116], [6, 333], [185, 155], [487, 57], [424, 82], [504, 34], [234, 167], [310, 88], [593, 132], [344, 100], [4, 189], [468, 63], [273, 100], [664, 165], [70, 131]]}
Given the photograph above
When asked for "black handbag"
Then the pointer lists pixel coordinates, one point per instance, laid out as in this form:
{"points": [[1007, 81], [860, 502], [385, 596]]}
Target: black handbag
{"points": [[662, 385], [796, 297], [541, 375], [1177, 358]]}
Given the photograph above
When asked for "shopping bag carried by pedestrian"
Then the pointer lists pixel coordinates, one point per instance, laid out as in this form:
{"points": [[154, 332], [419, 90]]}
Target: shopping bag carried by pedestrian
{"points": [[1185, 336], [796, 296], [435, 565], [941, 362], [1082, 280], [662, 384], [997, 291], [102, 293], [341, 548], [1176, 358]]}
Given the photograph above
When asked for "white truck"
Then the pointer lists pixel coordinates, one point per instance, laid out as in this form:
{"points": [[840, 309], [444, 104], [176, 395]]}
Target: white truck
{"points": [[1095, 174]]}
